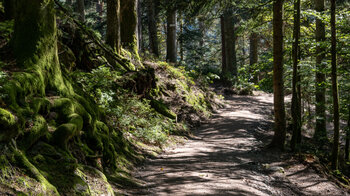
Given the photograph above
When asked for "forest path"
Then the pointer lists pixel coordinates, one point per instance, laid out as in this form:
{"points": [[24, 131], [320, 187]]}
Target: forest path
{"points": [[226, 157]]}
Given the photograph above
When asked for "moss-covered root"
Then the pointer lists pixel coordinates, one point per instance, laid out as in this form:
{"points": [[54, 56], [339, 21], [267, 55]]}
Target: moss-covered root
{"points": [[8, 126], [161, 108], [48, 188]]}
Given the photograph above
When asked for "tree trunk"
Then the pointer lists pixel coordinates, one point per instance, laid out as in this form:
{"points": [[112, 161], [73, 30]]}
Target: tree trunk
{"points": [[320, 130], [81, 10], [35, 45], [201, 31], [152, 27], [113, 25], [278, 86], [171, 36], [129, 25], [296, 101], [347, 140], [9, 7], [181, 41], [223, 47], [335, 152], [253, 53], [230, 44], [139, 26]]}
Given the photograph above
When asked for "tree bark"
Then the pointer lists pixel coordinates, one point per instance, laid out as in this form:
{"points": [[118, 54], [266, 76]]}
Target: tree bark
{"points": [[278, 85], [152, 27], [230, 44], [296, 100], [113, 25], [171, 36], [253, 53], [35, 46], [335, 151], [81, 10], [347, 140], [320, 130], [9, 7], [129, 25], [223, 47], [139, 26]]}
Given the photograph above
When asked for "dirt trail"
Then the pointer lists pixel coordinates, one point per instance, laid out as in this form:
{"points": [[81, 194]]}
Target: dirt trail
{"points": [[226, 157]]}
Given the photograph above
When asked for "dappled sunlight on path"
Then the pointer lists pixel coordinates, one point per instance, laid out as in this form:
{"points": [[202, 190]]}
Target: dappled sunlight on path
{"points": [[226, 157]]}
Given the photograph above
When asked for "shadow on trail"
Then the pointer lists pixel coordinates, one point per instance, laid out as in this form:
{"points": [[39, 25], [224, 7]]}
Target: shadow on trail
{"points": [[227, 157]]}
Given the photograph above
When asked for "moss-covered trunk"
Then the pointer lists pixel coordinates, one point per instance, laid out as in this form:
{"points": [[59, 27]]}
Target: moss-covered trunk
{"points": [[35, 47], [113, 25], [128, 25]]}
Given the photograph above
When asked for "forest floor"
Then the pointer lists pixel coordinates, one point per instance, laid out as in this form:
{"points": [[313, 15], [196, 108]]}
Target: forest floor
{"points": [[227, 156]]}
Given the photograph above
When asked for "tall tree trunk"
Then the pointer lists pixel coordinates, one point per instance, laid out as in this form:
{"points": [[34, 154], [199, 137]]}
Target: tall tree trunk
{"points": [[230, 43], [296, 101], [171, 36], [181, 40], [113, 25], [153, 27], [35, 47], [347, 140], [278, 85], [223, 47], [253, 53], [335, 152], [139, 26], [320, 130], [9, 6], [81, 10], [129, 25]]}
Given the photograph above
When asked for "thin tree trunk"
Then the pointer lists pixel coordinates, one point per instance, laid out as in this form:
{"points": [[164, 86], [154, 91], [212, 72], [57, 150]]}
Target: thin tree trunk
{"points": [[347, 141], [152, 27], [320, 130], [253, 53], [296, 101], [278, 86], [335, 152], [171, 36], [69, 2], [223, 47], [113, 25], [81, 10], [181, 39], [139, 26]]}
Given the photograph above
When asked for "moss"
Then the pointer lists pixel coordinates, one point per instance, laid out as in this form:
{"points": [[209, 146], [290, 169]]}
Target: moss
{"points": [[162, 109], [38, 129], [63, 134], [8, 125], [48, 188]]}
